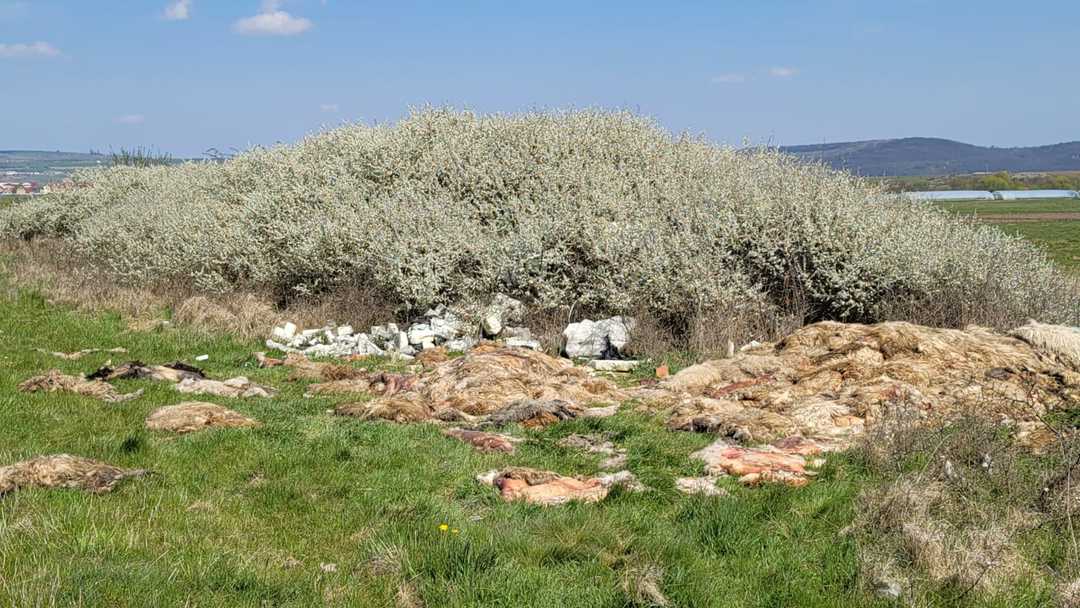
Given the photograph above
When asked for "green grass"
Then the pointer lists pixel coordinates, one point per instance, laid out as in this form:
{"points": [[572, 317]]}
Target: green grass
{"points": [[225, 509], [1060, 239], [10, 199], [989, 208]]}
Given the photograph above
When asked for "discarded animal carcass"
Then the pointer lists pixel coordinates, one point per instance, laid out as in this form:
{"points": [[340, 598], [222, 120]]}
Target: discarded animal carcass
{"points": [[239, 387], [64, 471], [820, 387], [482, 441], [79, 354], [192, 416], [789, 461], [827, 380], [491, 379], [547, 488], [54, 380], [135, 370]]}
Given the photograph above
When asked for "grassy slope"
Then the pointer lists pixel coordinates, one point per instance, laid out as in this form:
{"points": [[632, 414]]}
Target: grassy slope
{"points": [[989, 208], [1060, 238], [225, 509], [331, 490]]}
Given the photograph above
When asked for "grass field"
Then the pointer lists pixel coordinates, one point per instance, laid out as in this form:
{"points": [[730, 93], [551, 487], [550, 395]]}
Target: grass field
{"points": [[227, 511], [11, 199], [991, 208], [1060, 236]]}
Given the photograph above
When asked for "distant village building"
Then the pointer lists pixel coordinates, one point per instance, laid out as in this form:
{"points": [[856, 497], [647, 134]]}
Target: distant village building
{"points": [[19, 187], [952, 195]]}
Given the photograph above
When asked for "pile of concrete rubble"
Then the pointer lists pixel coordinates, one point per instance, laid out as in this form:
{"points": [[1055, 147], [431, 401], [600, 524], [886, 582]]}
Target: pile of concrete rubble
{"points": [[457, 331]]}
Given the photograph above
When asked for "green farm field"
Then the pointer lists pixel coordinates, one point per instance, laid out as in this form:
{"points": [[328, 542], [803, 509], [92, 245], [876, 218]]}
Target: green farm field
{"points": [[1052, 224]]}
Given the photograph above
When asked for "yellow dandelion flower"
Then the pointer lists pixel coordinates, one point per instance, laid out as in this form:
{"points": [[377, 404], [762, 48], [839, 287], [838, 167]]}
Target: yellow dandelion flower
{"points": [[443, 527], [456, 531]]}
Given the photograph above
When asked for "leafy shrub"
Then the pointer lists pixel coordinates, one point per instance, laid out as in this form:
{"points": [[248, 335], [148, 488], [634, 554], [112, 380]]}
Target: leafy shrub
{"points": [[599, 211]]}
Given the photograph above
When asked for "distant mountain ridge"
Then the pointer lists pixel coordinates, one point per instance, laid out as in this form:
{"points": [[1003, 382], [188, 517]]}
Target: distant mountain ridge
{"points": [[934, 156]]}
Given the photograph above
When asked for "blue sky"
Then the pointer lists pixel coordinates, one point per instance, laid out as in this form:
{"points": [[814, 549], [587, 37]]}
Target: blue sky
{"points": [[186, 76]]}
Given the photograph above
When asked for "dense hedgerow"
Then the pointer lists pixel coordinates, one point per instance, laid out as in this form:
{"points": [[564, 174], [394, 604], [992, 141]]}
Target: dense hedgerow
{"points": [[601, 211]]}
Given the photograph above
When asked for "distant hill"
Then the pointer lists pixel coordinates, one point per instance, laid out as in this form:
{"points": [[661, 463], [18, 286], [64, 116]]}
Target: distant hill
{"points": [[931, 156], [44, 167]]}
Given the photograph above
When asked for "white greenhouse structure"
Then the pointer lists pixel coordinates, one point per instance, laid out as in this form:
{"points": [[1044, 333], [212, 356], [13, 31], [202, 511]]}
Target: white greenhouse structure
{"points": [[1022, 195], [952, 195]]}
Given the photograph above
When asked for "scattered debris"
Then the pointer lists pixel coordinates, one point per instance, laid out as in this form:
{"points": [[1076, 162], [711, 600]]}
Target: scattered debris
{"points": [[547, 488], [591, 444], [193, 416], [1068, 594], [613, 365], [328, 568], [502, 310], [53, 380], [641, 584], [135, 370], [202, 358], [663, 371], [64, 471], [75, 356], [888, 589], [440, 326], [604, 339], [485, 442], [265, 361], [700, 485], [233, 387]]}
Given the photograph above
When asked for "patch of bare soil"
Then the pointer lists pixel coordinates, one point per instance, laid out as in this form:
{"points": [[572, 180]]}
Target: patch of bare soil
{"points": [[64, 471], [1012, 218], [194, 416]]}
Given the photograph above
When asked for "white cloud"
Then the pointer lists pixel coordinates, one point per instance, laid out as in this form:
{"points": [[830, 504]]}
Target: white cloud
{"points": [[329, 107], [782, 72], [728, 79], [180, 10], [272, 21], [131, 119], [34, 49]]}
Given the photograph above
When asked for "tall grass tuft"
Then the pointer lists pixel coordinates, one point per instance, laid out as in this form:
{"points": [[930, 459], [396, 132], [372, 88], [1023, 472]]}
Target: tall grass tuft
{"points": [[139, 157]]}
